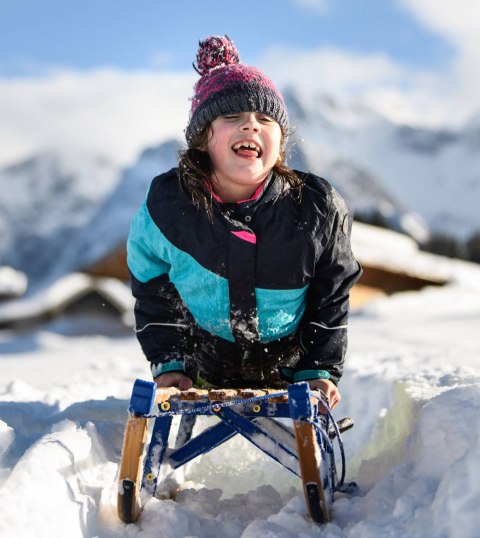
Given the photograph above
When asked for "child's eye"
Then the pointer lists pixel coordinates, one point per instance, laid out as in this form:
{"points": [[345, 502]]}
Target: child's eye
{"points": [[265, 119], [231, 116]]}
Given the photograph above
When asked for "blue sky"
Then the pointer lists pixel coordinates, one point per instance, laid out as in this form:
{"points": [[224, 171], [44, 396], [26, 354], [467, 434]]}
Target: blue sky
{"points": [[155, 34]]}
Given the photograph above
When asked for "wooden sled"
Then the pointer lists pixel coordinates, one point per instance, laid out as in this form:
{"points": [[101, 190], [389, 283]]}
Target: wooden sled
{"points": [[306, 451]]}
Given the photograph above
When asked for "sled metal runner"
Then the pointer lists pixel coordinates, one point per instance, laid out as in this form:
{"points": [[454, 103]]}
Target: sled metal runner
{"points": [[306, 451]]}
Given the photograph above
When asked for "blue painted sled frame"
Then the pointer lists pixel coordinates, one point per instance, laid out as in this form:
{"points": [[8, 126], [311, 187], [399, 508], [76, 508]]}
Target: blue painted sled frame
{"points": [[306, 450]]}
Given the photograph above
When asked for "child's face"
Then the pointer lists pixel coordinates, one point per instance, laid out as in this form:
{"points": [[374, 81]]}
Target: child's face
{"points": [[243, 148]]}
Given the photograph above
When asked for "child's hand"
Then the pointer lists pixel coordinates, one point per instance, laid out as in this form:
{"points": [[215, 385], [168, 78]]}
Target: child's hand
{"points": [[329, 388], [174, 379]]}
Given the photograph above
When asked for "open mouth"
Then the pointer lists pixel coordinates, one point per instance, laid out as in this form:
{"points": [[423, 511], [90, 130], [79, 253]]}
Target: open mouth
{"points": [[247, 149]]}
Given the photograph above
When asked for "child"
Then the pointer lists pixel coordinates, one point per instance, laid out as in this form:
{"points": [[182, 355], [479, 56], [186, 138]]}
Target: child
{"points": [[241, 267]]}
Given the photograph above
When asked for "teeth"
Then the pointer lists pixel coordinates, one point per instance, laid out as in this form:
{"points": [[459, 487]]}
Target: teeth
{"points": [[249, 145]]}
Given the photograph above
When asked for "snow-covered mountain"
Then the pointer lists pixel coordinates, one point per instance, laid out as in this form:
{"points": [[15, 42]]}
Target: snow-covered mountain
{"points": [[45, 201], [398, 169], [60, 212], [110, 224]]}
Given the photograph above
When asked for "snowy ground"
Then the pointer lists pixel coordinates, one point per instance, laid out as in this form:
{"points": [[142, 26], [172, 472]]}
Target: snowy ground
{"points": [[412, 384]]}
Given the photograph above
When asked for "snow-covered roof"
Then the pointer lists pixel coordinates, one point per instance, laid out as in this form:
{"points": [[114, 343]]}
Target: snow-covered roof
{"points": [[63, 293], [398, 253], [13, 283]]}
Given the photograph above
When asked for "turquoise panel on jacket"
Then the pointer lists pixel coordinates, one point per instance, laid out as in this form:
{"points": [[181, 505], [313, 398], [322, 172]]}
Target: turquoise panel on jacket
{"points": [[279, 311], [144, 261], [150, 254], [205, 294]]}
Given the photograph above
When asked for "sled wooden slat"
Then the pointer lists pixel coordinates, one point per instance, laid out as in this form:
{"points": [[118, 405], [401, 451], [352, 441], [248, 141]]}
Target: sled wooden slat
{"points": [[250, 393], [164, 394], [222, 394], [278, 399], [193, 394], [128, 500]]}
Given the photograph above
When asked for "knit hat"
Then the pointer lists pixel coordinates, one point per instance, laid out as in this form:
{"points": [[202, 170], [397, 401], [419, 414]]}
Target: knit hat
{"points": [[227, 86]]}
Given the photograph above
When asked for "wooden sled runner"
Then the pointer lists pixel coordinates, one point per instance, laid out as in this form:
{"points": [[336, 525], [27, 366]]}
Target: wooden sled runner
{"points": [[307, 451]]}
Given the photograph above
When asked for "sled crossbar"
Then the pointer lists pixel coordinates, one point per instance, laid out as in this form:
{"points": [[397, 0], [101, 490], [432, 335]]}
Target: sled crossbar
{"points": [[303, 450]]}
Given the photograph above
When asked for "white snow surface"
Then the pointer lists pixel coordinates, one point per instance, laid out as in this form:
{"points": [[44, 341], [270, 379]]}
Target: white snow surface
{"points": [[412, 385]]}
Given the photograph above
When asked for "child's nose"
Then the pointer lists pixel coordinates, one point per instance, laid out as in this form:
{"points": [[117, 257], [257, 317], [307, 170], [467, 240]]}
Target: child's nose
{"points": [[251, 123]]}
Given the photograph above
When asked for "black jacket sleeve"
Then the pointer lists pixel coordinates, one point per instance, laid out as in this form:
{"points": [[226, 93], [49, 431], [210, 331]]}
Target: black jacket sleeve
{"points": [[323, 334], [161, 324]]}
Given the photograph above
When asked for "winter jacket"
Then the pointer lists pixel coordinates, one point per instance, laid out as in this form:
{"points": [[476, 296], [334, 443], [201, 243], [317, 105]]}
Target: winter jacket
{"points": [[254, 295]]}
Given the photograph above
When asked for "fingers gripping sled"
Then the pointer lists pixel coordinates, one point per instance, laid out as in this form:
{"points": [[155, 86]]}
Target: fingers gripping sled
{"points": [[307, 451]]}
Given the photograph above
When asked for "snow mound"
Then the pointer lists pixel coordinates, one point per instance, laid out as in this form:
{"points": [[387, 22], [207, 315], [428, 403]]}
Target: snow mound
{"points": [[411, 384]]}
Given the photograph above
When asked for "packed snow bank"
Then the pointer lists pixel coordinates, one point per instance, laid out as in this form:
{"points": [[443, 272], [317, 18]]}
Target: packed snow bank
{"points": [[415, 475], [411, 383]]}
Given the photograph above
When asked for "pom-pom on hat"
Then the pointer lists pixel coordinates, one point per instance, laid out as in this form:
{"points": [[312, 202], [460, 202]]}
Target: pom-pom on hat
{"points": [[227, 86]]}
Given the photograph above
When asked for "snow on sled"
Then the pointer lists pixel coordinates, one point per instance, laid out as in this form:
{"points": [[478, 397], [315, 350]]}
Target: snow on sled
{"points": [[306, 451]]}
